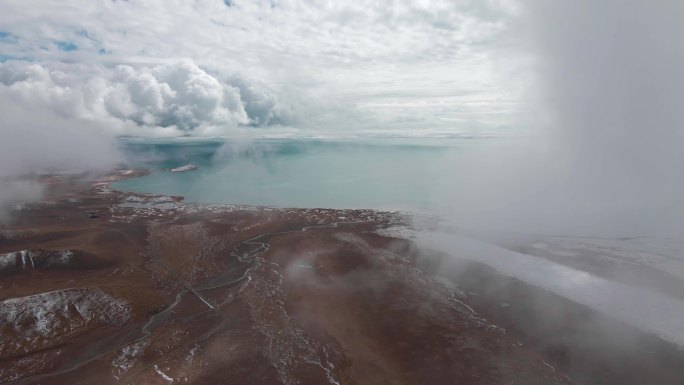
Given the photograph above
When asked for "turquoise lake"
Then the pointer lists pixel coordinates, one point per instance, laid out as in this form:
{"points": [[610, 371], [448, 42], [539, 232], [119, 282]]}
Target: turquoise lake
{"points": [[389, 174]]}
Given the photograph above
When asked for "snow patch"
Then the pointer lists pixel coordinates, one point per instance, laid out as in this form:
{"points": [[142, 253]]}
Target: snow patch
{"points": [[128, 357], [187, 167], [31, 322], [7, 261], [162, 374], [59, 258], [402, 232], [20, 207]]}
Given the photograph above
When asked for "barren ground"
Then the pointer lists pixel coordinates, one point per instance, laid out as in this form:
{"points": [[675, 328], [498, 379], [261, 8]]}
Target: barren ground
{"points": [[154, 291]]}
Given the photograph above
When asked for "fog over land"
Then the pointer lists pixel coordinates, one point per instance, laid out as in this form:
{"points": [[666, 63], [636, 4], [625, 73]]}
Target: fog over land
{"points": [[604, 162], [606, 155]]}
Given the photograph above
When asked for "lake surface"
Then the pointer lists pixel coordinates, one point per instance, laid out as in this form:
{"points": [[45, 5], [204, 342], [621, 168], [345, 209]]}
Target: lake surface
{"points": [[391, 174]]}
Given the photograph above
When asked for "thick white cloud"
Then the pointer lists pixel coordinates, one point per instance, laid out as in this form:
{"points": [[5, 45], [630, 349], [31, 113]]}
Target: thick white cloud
{"points": [[167, 99], [339, 67], [610, 159]]}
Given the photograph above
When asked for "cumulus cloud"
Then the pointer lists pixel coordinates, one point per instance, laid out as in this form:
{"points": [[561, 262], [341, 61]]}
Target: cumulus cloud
{"points": [[168, 99], [337, 67]]}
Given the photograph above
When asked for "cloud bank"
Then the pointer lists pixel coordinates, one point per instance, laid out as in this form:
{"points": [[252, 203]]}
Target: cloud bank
{"points": [[340, 67], [608, 157], [163, 100]]}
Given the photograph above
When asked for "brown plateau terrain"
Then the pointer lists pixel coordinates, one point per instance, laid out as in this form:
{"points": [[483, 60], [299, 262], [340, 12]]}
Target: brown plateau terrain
{"points": [[104, 287]]}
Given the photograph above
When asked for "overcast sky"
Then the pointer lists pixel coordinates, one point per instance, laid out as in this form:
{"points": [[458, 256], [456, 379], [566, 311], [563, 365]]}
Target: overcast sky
{"points": [[272, 67]]}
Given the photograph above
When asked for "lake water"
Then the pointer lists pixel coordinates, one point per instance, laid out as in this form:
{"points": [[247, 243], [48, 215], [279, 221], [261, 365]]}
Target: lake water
{"points": [[393, 174]]}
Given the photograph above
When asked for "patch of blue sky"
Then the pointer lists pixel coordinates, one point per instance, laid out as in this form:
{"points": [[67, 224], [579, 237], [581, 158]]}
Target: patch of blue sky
{"points": [[5, 57], [7, 37], [66, 46]]}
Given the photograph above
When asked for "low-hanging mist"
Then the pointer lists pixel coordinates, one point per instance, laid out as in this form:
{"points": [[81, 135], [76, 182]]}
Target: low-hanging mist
{"points": [[35, 141], [604, 161], [606, 157]]}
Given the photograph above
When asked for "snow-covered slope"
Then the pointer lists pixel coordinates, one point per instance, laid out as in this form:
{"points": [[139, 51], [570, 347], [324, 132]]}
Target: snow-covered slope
{"points": [[37, 321]]}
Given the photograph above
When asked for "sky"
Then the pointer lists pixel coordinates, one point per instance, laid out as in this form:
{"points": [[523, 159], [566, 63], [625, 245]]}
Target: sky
{"points": [[268, 68]]}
